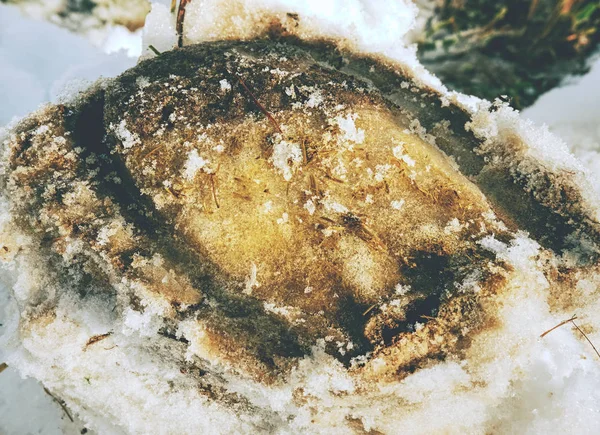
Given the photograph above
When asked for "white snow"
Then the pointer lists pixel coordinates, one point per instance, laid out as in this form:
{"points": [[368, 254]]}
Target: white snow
{"points": [[510, 380], [195, 162], [350, 131], [127, 138], [40, 61], [287, 157], [370, 26], [397, 204], [225, 85], [572, 112]]}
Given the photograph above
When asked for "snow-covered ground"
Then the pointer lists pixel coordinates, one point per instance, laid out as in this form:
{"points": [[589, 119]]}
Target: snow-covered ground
{"points": [[40, 62]]}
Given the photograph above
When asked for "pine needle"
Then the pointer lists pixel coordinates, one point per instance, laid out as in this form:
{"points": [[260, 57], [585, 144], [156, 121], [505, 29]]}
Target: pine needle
{"points": [[586, 337], [369, 309], [564, 322], [572, 321], [96, 339], [61, 403], [154, 50], [304, 152], [214, 189], [260, 106]]}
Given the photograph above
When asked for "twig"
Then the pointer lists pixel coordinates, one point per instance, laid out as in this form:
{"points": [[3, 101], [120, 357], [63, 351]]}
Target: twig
{"points": [[180, 19], [154, 50], [260, 106], [564, 322], [586, 337], [173, 6], [3, 367], [332, 178], [61, 403], [532, 7], [313, 184]]}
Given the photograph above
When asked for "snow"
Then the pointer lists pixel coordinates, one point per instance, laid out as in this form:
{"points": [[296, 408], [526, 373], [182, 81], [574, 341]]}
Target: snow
{"points": [[397, 204], [128, 139], [42, 63], [225, 85], [194, 164], [286, 157], [348, 126], [36, 62], [572, 112], [369, 26], [510, 380], [159, 30]]}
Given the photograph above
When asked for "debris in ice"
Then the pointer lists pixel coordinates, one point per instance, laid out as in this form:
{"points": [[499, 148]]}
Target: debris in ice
{"points": [[438, 307]]}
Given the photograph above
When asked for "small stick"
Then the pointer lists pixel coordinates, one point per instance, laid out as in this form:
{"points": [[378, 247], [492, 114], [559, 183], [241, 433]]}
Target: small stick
{"points": [[154, 50], [313, 184], [61, 403], [332, 178], [564, 322], [242, 196], [180, 18], [586, 337], [3, 367], [173, 6], [260, 106], [532, 7]]}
